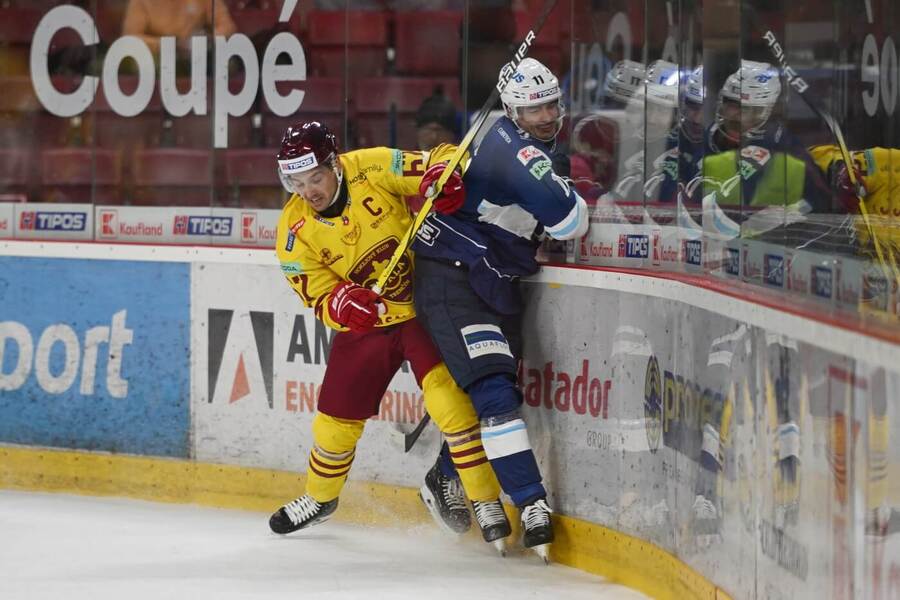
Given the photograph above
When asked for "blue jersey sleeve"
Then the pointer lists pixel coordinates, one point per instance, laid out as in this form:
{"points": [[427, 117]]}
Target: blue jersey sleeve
{"points": [[540, 191]]}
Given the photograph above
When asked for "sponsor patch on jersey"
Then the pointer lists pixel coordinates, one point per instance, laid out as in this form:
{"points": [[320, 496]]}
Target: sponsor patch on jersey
{"points": [[484, 338], [289, 244], [299, 164], [291, 268], [323, 220], [297, 226], [328, 258], [529, 153], [396, 162], [427, 233], [504, 135], [759, 155], [541, 168], [352, 237]]}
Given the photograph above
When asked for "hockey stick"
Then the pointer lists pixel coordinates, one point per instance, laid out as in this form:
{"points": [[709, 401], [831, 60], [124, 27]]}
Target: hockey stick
{"points": [[505, 75], [410, 439], [800, 85]]}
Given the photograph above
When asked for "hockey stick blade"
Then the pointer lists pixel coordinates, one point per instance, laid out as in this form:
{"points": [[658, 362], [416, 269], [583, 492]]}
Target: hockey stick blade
{"points": [[505, 75], [410, 439]]}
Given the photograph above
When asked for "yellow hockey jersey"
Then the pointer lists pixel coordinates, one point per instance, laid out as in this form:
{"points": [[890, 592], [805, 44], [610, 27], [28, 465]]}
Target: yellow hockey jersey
{"points": [[316, 253], [880, 170]]}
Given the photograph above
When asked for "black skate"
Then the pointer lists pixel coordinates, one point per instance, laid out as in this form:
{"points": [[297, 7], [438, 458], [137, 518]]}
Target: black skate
{"points": [[301, 513], [446, 501], [538, 527], [882, 521], [494, 525], [706, 523]]}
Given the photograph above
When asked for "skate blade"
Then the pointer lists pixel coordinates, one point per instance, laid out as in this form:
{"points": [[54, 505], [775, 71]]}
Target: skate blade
{"points": [[500, 546], [543, 550], [430, 503]]}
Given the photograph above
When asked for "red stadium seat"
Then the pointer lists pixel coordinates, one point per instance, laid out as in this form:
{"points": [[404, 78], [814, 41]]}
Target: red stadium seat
{"points": [[173, 177], [324, 100], [377, 94], [16, 166], [375, 97], [18, 95], [251, 21], [354, 41], [17, 24], [428, 43], [366, 28], [18, 111], [550, 33], [112, 130], [81, 175], [548, 47], [252, 178]]}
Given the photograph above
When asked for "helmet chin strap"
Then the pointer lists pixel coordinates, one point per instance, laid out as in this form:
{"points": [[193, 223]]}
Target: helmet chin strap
{"points": [[339, 173]]}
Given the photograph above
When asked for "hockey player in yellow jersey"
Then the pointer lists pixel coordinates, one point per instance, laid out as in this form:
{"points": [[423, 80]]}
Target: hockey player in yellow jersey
{"points": [[879, 171], [335, 235]]}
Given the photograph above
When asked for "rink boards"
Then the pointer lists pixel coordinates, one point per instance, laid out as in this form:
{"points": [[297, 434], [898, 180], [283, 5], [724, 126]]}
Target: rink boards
{"points": [[190, 374]]}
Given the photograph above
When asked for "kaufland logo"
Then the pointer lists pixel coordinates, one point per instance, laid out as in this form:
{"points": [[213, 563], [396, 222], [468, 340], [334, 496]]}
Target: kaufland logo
{"points": [[108, 223], [248, 227], [52, 221], [195, 225]]}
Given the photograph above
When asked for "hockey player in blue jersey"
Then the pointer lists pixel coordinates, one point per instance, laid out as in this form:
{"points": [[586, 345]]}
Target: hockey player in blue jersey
{"points": [[469, 258]]}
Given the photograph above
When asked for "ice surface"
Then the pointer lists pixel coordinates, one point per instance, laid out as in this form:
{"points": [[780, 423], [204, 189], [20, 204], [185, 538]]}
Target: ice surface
{"points": [[55, 546]]}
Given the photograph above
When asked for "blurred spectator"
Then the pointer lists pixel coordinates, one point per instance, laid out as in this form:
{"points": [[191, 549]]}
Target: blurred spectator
{"points": [[437, 121], [152, 19], [595, 138], [748, 144]]}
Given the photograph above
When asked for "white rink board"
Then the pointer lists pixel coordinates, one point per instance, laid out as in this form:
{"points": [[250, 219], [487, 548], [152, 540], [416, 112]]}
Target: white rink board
{"points": [[622, 372], [629, 458], [270, 426], [7, 216]]}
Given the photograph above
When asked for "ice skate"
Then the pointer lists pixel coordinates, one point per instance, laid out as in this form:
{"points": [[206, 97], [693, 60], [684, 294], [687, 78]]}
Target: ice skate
{"points": [[446, 501], [706, 524], [301, 513], [495, 527], [538, 528], [882, 521]]}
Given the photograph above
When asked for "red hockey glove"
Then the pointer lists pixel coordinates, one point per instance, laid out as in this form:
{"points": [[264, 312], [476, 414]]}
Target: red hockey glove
{"points": [[846, 193], [353, 306], [452, 196]]}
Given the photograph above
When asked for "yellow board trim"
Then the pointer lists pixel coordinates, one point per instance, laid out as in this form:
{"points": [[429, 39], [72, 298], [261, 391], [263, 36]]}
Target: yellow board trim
{"points": [[587, 546]]}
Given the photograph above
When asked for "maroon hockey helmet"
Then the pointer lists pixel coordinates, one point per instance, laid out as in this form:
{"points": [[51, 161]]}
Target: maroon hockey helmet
{"points": [[305, 146]]}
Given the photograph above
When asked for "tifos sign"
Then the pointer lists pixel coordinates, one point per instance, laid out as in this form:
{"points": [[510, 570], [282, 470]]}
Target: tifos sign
{"points": [[225, 102]]}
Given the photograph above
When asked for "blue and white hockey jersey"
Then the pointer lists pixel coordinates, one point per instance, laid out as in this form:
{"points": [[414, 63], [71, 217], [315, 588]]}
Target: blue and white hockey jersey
{"points": [[512, 197]]}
